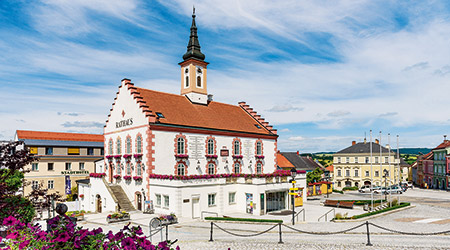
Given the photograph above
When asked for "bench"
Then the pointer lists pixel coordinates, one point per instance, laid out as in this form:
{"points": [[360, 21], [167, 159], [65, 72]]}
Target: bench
{"points": [[346, 204], [331, 203]]}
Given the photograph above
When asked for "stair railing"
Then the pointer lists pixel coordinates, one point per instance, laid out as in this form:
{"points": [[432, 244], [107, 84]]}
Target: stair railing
{"points": [[326, 214]]}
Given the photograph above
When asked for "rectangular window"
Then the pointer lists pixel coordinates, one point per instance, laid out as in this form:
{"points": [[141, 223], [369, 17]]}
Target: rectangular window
{"points": [[367, 173], [367, 159], [232, 198], [50, 184], [68, 166], [339, 159], [158, 200], [339, 172], [34, 184], [376, 159], [33, 150], [356, 173], [48, 151], [50, 166], [211, 200], [356, 159], [377, 174], [34, 167], [81, 165], [166, 201], [347, 172], [347, 159], [386, 159], [73, 151], [90, 151], [102, 151]]}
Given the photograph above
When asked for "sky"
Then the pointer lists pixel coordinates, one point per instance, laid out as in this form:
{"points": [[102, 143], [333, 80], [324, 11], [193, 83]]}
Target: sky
{"points": [[324, 73]]}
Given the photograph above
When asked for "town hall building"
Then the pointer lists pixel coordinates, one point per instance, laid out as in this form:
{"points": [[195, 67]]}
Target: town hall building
{"points": [[187, 153]]}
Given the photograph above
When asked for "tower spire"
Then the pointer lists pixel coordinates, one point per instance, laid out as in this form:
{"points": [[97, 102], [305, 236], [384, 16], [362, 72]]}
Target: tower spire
{"points": [[193, 48]]}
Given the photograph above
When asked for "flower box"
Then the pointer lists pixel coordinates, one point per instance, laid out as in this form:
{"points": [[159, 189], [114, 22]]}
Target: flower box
{"points": [[137, 178], [109, 156], [127, 156], [127, 177], [117, 156], [137, 155], [182, 156], [97, 175], [238, 156], [168, 219], [211, 156], [112, 220], [117, 176], [259, 156], [116, 217]]}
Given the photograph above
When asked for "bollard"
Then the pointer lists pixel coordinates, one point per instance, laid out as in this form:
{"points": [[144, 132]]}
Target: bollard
{"points": [[368, 234], [279, 230], [211, 235]]}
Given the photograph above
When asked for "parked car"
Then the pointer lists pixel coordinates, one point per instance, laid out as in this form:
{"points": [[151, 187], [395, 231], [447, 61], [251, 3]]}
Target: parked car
{"points": [[410, 184], [364, 189], [376, 189]]}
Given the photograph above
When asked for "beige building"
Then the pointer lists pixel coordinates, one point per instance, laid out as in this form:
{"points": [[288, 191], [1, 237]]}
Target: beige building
{"points": [[354, 166], [61, 156]]}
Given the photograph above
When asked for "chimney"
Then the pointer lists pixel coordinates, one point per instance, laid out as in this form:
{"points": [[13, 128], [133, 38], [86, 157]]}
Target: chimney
{"points": [[377, 141], [445, 137], [210, 98], [353, 143], [365, 140], [297, 153]]}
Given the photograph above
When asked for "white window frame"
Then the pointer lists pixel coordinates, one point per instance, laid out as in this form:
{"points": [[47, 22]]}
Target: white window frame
{"points": [[81, 166], [50, 184], [232, 198], [34, 167], [212, 199], [158, 199], [356, 173], [166, 201], [213, 168]]}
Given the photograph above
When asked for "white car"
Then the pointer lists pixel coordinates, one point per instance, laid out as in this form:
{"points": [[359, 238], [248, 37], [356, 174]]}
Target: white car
{"points": [[364, 189]]}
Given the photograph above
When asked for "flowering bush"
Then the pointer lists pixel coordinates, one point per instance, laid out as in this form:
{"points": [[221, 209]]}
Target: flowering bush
{"points": [[182, 156], [97, 175], [64, 235], [137, 178], [211, 156], [212, 176], [127, 177], [117, 176]]}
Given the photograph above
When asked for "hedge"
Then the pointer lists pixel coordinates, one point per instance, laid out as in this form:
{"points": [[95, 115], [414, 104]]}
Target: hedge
{"points": [[350, 188], [243, 219], [337, 191], [363, 202], [403, 204]]}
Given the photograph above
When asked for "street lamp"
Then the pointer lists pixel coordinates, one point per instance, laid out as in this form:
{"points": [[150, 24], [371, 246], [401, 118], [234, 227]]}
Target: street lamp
{"points": [[385, 184], [293, 174]]}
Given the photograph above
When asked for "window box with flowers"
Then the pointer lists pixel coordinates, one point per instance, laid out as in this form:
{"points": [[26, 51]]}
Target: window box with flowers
{"points": [[81, 196], [238, 156], [168, 219], [137, 178], [181, 156], [117, 156], [127, 177], [211, 156], [127, 157], [97, 175], [259, 157], [116, 217], [137, 156], [117, 176]]}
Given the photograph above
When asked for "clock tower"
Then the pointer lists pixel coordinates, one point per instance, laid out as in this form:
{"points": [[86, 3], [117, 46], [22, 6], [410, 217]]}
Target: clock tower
{"points": [[193, 69]]}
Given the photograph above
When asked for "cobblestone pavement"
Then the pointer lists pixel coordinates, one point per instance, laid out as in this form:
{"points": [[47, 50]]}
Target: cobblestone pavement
{"points": [[194, 234]]}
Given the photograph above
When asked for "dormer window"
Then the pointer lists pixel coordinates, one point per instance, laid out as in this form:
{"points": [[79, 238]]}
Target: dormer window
{"points": [[257, 126], [160, 115]]}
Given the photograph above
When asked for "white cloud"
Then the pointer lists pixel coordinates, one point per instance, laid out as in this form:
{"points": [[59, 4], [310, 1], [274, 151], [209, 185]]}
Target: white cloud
{"points": [[284, 108]]}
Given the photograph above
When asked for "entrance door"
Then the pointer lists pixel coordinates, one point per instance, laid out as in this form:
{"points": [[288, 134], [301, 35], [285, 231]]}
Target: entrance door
{"points": [[195, 207], [276, 201], [99, 204], [139, 201]]}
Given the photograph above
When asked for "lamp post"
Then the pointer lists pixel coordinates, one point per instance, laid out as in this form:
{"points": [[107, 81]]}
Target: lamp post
{"points": [[293, 174], [385, 183]]}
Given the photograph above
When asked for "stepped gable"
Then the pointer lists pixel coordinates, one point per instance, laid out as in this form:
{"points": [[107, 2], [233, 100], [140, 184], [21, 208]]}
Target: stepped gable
{"points": [[139, 100], [257, 117], [179, 111]]}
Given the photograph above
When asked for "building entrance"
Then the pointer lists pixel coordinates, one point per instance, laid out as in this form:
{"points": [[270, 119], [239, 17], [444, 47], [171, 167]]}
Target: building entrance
{"points": [[276, 201]]}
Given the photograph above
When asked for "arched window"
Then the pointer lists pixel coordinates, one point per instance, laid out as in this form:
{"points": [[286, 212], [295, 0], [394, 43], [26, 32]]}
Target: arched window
{"points": [[119, 168], [211, 168], [258, 168], [128, 145], [180, 169], [128, 169], [110, 147], [180, 146], [237, 147], [199, 81], [237, 168], [139, 144], [210, 147], [258, 148], [119, 145], [139, 169], [187, 81]]}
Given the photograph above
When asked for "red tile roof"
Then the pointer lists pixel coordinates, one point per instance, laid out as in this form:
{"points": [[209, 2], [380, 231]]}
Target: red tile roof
{"points": [[445, 144], [330, 168], [178, 110], [57, 136], [282, 162]]}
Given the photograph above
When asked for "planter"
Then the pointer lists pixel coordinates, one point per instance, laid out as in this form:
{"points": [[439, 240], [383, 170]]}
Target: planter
{"points": [[169, 222], [248, 180], [112, 220], [269, 179], [284, 179]]}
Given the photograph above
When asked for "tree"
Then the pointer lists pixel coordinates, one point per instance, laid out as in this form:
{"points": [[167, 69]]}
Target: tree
{"points": [[12, 163], [314, 176]]}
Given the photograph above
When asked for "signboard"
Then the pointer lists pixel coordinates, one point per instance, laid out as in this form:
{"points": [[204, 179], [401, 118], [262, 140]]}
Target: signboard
{"points": [[249, 202], [74, 172], [68, 185], [293, 189], [196, 147], [224, 152]]}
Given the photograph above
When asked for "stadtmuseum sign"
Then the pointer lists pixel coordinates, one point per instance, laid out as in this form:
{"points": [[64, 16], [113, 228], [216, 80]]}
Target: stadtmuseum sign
{"points": [[74, 172]]}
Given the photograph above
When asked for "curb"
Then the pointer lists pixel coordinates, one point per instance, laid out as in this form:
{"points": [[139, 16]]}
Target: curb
{"points": [[376, 215]]}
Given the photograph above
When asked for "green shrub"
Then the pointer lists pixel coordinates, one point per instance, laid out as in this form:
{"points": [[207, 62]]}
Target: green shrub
{"points": [[242, 219], [403, 204], [337, 191], [394, 202], [350, 188], [18, 206]]}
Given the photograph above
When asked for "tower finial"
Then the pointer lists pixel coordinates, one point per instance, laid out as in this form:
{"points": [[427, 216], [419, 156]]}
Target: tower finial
{"points": [[193, 10], [193, 48]]}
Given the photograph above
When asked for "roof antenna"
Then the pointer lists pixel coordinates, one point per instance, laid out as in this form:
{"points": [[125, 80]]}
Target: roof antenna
{"points": [[365, 137]]}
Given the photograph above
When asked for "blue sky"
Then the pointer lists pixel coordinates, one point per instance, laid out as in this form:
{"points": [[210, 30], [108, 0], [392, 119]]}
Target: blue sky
{"points": [[322, 72]]}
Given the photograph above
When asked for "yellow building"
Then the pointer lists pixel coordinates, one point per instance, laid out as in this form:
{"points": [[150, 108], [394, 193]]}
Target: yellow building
{"points": [[62, 156], [354, 166]]}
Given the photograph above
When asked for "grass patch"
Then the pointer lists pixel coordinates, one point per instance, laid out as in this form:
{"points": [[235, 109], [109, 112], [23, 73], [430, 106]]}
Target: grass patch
{"points": [[243, 219], [364, 202], [403, 204]]}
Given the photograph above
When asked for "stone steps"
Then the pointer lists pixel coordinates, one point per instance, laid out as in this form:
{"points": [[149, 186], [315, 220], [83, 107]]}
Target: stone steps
{"points": [[122, 198]]}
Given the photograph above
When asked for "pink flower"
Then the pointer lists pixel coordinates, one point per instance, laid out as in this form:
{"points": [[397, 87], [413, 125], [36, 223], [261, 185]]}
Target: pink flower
{"points": [[24, 244], [12, 236], [10, 221]]}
